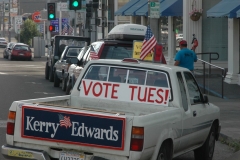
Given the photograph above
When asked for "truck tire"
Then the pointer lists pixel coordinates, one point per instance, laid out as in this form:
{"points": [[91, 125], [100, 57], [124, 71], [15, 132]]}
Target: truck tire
{"points": [[69, 89], [205, 152], [51, 76], [56, 82], [165, 152], [46, 71], [64, 84]]}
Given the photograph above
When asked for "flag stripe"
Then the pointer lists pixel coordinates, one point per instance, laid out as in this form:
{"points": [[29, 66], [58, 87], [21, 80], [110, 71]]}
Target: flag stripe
{"points": [[148, 44]]}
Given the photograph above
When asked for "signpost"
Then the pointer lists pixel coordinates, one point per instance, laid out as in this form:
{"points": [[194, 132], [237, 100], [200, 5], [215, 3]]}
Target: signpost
{"points": [[36, 17], [154, 10], [18, 23]]}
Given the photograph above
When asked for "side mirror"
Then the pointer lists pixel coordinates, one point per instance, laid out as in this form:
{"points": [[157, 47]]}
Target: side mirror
{"points": [[46, 46], [205, 98], [9, 48]]}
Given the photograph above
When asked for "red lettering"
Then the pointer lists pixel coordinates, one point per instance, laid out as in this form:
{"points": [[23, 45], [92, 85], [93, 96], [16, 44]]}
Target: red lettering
{"points": [[160, 96], [114, 91], [166, 96], [106, 88], [86, 91], [150, 94], [132, 92], [144, 96], [94, 89]]}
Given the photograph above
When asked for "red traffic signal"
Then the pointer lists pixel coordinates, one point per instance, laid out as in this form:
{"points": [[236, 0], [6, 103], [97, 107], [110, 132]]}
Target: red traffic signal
{"points": [[51, 28]]}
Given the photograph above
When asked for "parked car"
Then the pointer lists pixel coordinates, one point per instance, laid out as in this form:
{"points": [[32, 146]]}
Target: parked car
{"points": [[73, 71], [7, 49], [58, 68], [20, 51], [3, 42], [116, 46]]}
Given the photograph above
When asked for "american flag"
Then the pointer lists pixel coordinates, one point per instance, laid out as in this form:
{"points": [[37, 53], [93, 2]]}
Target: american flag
{"points": [[93, 54], [64, 121], [65, 29], [148, 44]]}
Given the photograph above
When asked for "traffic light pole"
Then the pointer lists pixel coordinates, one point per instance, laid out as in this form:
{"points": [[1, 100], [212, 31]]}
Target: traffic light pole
{"points": [[75, 21], [9, 24]]}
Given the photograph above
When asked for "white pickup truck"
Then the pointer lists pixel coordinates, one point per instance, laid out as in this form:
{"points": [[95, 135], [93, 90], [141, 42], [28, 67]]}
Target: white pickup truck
{"points": [[118, 110]]}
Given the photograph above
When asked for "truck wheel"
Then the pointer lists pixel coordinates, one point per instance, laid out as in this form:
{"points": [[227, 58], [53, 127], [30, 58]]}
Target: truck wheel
{"points": [[56, 82], [69, 89], [206, 151], [165, 152], [51, 78], [46, 71], [64, 84]]}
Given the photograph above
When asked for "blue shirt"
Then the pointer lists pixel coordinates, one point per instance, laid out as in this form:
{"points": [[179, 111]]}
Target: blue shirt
{"points": [[186, 58]]}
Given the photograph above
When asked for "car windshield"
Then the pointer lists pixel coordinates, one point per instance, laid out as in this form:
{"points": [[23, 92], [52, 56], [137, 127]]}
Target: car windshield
{"points": [[21, 47], [73, 52]]}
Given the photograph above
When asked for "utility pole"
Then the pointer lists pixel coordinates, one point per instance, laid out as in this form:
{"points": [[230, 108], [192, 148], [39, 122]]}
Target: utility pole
{"points": [[9, 23], [3, 19]]}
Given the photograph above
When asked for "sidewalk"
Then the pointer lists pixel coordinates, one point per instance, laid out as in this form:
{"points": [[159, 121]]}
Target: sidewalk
{"points": [[230, 120]]}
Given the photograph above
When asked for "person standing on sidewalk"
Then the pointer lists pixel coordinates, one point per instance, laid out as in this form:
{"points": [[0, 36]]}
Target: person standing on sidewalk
{"points": [[185, 57]]}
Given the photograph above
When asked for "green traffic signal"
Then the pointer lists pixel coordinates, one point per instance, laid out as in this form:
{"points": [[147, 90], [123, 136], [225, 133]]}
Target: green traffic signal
{"points": [[75, 4], [51, 16]]}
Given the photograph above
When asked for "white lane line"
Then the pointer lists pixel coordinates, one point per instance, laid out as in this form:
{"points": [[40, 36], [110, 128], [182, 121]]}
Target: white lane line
{"points": [[44, 93], [3, 123], [2, 73], [33, 82]]}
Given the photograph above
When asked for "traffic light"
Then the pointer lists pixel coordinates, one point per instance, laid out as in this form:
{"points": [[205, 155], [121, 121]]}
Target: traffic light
{"points": [[75, 4], [95, 4], [51, 28], [51, 11], [89, 10]]}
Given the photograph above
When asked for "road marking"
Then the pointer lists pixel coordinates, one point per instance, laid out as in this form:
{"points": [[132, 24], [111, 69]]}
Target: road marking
{"points": [[44, 93], [3, 123], [33, 82], [2, 73]]}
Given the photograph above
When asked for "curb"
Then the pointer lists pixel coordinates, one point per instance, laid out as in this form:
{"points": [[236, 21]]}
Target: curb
{"points": [[231, 142]]}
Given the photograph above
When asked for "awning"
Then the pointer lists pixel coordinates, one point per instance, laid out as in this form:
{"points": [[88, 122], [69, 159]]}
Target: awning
{"points": [[225, 8], [238, 14], [121, 11], [132, 10], [171, 8], [140, 8]]}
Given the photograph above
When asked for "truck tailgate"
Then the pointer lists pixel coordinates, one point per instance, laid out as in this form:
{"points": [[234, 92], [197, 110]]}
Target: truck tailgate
{"points": [[68, 128]]}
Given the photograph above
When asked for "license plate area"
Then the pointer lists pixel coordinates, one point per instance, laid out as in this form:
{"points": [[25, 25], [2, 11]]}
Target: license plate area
{"points": [[21, 54], [69, 155]]}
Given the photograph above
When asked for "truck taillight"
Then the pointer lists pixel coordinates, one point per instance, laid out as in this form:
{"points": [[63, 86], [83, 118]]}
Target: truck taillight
{"points": [[11, 122], [137, 138]]}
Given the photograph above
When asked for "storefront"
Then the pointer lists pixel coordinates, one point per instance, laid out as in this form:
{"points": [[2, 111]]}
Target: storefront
{"points": [[230, 10]]}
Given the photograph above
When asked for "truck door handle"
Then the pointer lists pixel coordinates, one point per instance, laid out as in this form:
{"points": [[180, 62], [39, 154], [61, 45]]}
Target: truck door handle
{"points": [[194, 113]]}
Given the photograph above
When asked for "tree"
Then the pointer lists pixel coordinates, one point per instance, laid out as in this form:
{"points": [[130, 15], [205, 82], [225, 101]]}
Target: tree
{"points": [[28, 31]]}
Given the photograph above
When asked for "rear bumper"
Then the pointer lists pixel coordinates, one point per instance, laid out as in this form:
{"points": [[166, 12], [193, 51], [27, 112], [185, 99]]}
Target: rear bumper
{"points": [[11, 152]]}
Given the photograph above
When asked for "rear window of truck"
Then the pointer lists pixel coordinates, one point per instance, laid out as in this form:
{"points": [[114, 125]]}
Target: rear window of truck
{"points": [[136, 76]]}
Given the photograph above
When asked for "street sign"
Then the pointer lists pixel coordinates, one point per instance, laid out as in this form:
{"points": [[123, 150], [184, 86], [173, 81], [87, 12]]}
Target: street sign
{"points": [[154, 10], [56, 23], [18, 20], [36, 17]]}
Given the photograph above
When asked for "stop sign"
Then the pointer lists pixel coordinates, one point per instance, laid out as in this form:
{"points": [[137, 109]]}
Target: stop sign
{"points": [[36, 17]]}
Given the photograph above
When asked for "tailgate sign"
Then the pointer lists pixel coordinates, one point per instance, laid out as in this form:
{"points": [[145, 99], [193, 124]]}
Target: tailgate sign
{"points": [[125, 92], [73, 127]]}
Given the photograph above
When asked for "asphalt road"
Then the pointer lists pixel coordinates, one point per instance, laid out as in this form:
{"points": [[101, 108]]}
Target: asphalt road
{"points": [[20, 80]]}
